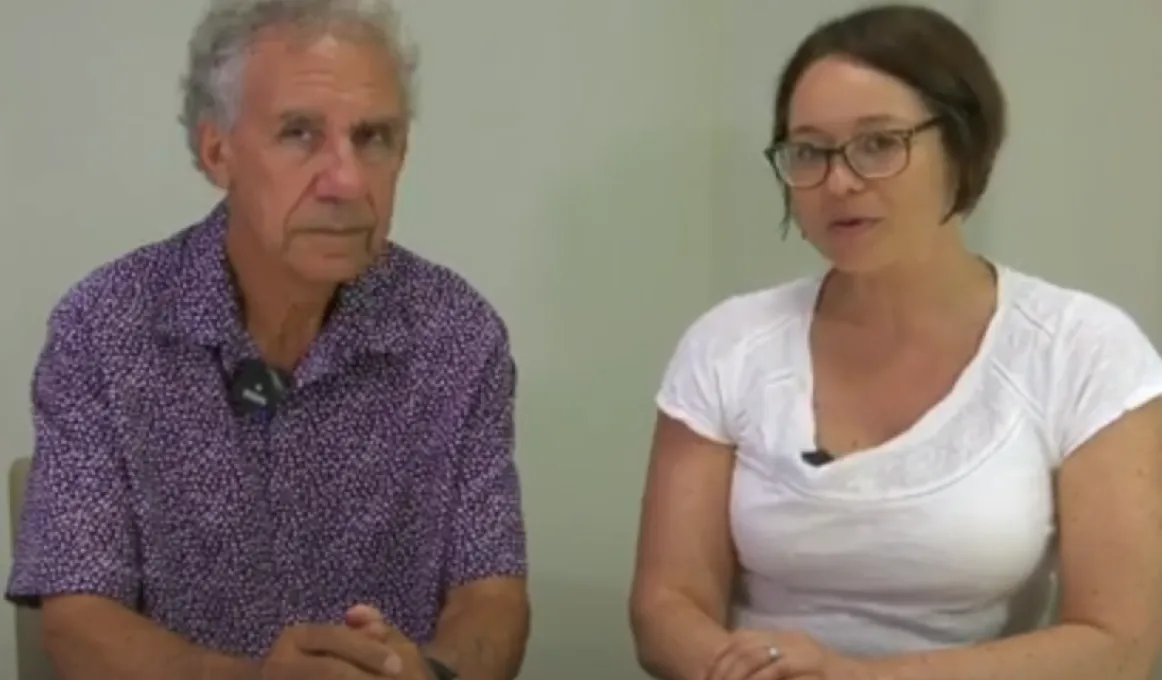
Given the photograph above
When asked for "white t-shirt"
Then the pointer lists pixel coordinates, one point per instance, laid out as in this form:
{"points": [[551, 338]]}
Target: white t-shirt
{"points": [[942, 536]]}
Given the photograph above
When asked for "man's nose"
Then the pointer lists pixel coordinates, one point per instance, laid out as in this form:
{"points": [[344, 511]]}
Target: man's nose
{"points": [[343, 176]]}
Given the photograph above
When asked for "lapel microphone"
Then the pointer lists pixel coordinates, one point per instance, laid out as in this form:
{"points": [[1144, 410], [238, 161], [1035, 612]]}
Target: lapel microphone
{"points": [[817, 458], [257, 387]]}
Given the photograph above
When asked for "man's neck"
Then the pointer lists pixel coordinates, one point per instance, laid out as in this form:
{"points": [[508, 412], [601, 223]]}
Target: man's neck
{"points": [[284, 329], [282, 313]]}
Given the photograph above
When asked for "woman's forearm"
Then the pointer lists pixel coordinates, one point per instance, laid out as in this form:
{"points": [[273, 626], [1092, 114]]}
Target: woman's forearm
{"points": [[675, 639], [1065, 652]]}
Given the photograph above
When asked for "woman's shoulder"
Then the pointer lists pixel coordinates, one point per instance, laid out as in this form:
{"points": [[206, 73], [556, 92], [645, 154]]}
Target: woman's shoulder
{"points": [[1068, 315], [701, 382], [1093, 359], [755, 313]]}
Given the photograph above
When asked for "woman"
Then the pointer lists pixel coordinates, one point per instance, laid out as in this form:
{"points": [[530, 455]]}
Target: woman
{"points": [[873, 473]]}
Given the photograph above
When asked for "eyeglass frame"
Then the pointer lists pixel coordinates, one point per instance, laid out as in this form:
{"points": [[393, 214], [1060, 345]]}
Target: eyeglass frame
{"points": [[906, 136]]}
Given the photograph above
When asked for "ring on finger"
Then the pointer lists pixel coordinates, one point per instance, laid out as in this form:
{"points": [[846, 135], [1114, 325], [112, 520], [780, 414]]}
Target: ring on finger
{"points": [[774, 654]]}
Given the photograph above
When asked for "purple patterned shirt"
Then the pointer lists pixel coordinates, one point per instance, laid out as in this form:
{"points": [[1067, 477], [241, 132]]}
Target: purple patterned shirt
{"points": [[386, 477]]}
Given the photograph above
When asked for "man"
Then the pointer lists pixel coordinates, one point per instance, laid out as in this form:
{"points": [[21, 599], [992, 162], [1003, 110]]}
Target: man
{"points": [[272, 446]]}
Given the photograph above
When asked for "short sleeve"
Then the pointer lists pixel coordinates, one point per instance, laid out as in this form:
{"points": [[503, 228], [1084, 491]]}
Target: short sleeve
{"points": [[1104, 367], [75, 534], [488, 524], [695, 385]]}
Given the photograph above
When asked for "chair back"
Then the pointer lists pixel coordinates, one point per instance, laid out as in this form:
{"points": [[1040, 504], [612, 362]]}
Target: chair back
{"points": [[31, 661]]}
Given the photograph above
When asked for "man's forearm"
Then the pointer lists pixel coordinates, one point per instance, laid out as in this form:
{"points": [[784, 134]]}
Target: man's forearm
{"points": [[1065, 652], [91, 638], [483, 637]]}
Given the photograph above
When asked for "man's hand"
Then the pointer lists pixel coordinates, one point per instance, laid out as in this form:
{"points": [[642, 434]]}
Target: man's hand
{"points": [[368, 620], [406, 662], [782, 655], [325, 652]]}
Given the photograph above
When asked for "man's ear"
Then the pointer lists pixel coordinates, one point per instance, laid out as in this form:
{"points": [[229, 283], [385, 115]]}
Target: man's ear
{"points": [[214, 154]]}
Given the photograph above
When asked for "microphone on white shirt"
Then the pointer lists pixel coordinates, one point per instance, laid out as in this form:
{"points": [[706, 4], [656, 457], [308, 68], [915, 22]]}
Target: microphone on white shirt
{"points": [[817, 458]]}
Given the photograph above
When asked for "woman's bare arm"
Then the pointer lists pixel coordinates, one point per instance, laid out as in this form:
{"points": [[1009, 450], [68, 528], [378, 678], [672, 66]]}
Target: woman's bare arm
{"points": [[1110, 515], [685, 560]]}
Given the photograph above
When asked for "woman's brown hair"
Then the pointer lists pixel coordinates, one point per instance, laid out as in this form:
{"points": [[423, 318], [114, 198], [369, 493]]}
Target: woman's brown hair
{"points": [[935, 57]]}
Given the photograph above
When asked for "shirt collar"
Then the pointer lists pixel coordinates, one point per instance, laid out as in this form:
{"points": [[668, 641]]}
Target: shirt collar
{"points": [[201, 304]]}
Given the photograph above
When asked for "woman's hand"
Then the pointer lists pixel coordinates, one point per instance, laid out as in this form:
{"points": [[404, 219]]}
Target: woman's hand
{"points": [[782, 655]]}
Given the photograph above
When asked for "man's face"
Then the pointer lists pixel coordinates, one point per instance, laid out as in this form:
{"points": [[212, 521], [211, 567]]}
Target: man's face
{"points": [[312, 163]]}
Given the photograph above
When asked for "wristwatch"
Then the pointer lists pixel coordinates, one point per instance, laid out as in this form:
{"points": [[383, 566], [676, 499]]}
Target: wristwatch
{"points": [[441, 671]]}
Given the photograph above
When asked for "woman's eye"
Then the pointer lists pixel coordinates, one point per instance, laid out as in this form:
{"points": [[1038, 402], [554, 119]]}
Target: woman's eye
{"points": [[879, 143], [805, 152]]}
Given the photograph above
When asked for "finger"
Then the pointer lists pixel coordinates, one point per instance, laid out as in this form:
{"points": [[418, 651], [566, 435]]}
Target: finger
{"points": [[784, 668], [362, 615], [724, 658], [369, 621], [738, 665], [374, 621], [720, 663], [379, 631], [728, 649], [354, 647], [757, 659], [773, 672], [318, 666], [394, 663]]}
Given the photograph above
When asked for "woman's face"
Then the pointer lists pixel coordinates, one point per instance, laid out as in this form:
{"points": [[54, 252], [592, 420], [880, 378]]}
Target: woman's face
{"points": [[864, 223]]}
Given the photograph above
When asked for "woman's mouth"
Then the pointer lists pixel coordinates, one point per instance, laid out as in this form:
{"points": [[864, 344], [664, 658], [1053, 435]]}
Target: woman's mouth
{"points": [[853, 223]]}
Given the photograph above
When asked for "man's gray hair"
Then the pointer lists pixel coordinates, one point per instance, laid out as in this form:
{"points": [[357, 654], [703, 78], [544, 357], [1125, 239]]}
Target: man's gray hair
{"points": [[211, 88]]}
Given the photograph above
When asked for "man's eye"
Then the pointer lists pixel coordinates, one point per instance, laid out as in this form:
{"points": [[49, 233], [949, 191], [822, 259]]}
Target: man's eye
{"points": [[297, 134], [373, 137]]}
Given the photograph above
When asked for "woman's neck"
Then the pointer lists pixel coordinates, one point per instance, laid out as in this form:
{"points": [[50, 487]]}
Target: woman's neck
{"points": [[912, 295]]}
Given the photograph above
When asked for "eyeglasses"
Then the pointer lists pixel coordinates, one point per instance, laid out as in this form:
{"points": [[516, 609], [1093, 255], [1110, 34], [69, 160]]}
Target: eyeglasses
{"points": [[873, 155]]}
